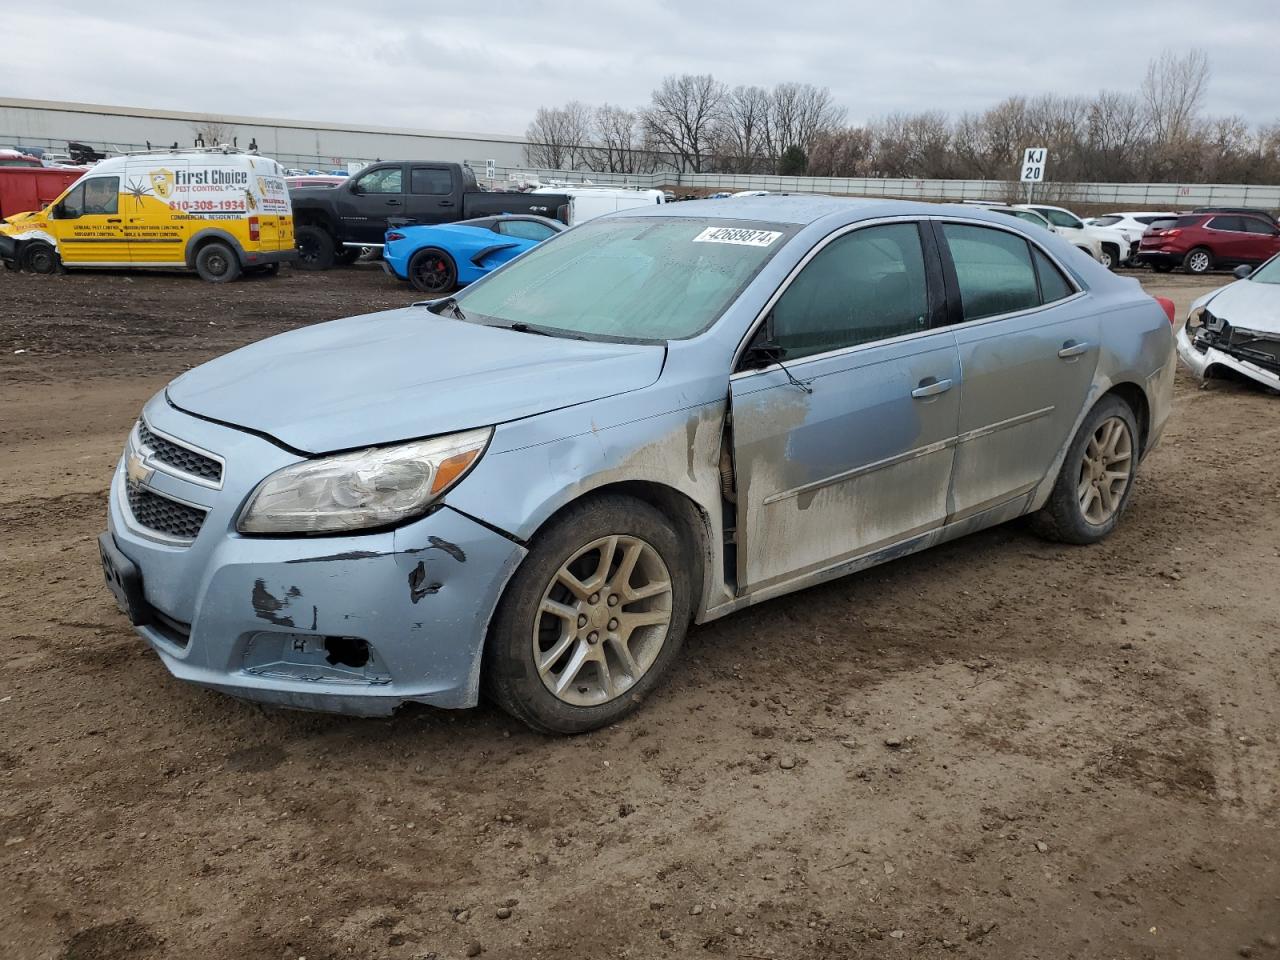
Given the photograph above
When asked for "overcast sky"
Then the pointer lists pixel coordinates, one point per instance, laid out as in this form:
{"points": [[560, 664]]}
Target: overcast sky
{"points": [[486, 67]]}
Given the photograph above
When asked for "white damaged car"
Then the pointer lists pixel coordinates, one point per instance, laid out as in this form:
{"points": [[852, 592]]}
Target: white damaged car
{"points": [[1235, 330]]}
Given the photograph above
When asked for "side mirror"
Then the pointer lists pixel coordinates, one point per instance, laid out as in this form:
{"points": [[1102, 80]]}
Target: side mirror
{"points": [[355, 189], [1242, 272]]}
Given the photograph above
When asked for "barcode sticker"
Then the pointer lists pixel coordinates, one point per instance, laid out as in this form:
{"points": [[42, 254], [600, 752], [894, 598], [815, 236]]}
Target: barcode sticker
{"points": [[746, 238]]}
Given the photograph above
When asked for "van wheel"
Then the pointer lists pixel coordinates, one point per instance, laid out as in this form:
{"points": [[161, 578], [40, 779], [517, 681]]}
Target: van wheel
{"points": [[1096, 479], [39, 257], [217, 263], [315, 248], [593, 619], [432, 271]]}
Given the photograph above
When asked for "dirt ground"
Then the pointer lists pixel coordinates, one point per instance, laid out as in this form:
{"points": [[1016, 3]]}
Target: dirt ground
{"points": [[1000, 748]]}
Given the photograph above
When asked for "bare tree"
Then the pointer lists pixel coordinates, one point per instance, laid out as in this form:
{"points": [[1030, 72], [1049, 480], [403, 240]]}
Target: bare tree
{"points": [[682, 115], [558, 137], [842, 152], [742, 142], [212, 132], [1115, 137], [798, 112], [616, 133], [1173, 91]]}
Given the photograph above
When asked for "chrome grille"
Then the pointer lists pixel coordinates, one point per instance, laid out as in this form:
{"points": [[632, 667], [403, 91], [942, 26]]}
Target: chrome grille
{"points": [[179, 457], [159, 513]]}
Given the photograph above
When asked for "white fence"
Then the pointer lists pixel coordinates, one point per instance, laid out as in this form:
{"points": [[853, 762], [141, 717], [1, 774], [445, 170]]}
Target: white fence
{"points": [[1120, 195]]}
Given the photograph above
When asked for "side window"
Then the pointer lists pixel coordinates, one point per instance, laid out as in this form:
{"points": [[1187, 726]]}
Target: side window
{"points": [[102, 196], [386, 180], [525, 229], [73, 204], [1053, 285], [1256, 225], [1226, 223], [993, 269], [866, 285], [1060, 218], [430, 180]]}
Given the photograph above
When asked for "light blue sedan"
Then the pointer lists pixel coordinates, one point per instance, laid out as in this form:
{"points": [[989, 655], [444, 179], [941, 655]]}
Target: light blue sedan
{"points": [[656, 418]]}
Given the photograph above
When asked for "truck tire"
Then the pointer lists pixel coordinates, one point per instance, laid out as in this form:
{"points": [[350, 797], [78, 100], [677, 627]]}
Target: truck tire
{"points": [[345, 256], [217, 263], [40, 257], [315, 248]]}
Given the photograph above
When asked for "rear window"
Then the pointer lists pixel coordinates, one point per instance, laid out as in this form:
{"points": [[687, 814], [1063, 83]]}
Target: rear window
{"points": [[1106, 221], [1184, 222]]}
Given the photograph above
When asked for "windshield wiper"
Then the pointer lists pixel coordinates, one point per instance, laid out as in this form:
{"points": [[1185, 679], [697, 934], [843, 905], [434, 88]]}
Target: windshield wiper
{"points": [[519, 326]]}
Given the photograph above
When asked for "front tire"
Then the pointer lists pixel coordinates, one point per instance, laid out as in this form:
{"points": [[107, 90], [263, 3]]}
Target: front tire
{"points": [[433, 271], [1096, 479], [593, 619], [1198, 261], [217, 263], [40, 257], [1110, 256], [315, 248]]}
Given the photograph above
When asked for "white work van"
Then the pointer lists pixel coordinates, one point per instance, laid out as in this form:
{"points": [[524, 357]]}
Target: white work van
{"points": [[587, 203]]}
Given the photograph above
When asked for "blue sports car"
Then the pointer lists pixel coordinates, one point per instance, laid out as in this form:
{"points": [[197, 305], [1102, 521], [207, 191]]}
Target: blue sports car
{"points": [[436, 258]]}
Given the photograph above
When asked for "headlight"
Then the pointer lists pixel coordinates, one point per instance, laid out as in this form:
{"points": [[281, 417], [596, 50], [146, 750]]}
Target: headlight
{"points": [[1195, 319], [368, 488]]}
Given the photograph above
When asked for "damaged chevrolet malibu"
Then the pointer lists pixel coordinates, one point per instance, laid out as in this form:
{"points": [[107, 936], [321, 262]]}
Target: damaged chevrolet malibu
{"points": [[1234, 331], [658, 418]]}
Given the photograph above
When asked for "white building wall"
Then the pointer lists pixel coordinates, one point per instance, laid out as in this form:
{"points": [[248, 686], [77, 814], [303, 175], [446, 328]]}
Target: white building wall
{"points": [[47, 123]]}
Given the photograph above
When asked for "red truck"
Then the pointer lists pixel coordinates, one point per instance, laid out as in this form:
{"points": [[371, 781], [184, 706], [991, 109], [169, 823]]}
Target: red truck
{"points": [[33, 188]]}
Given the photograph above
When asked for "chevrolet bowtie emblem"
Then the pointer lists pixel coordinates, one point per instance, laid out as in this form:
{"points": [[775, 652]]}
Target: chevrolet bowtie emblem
{"points": [[136, 469]]}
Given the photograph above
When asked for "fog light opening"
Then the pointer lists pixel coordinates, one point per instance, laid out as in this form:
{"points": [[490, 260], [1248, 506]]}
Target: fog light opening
{"points": [[347, 651]]}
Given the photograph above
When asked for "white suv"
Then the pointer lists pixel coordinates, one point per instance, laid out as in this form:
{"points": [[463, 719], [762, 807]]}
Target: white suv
{"points": [[1133, 225], [1115, 246]]}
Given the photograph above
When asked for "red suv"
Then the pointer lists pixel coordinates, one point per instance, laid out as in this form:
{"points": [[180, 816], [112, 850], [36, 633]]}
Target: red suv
{"points": [[1202, 241]]}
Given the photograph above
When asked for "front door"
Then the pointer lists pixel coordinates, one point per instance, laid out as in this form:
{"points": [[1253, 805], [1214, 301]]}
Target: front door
{"points": [[845, 447], [370, 200], [1028, 345], [90, 226]]}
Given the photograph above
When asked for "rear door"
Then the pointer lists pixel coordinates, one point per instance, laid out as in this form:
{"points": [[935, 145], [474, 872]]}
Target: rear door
{"points": [[1028, 348], [90, 226], [846, 446], [368, 200], [433, 193]]}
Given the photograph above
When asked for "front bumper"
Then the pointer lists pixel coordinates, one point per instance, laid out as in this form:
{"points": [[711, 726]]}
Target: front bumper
{"points": [[1201, 362], [263, 618]]}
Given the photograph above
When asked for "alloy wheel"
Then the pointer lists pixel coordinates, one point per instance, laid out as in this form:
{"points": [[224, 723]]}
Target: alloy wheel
{"points": [[602, 621], [1106, 470], [1199, 262], [432, 274]]}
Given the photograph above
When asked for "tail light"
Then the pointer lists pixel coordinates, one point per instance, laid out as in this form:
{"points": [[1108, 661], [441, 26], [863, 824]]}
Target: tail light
{"points": [[394, 235], [1169, 309], [1170, 234], [254, 229]]}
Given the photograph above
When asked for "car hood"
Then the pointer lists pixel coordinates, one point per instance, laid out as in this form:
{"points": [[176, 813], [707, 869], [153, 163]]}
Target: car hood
{"points": [[1246, 303], [404, 374]]}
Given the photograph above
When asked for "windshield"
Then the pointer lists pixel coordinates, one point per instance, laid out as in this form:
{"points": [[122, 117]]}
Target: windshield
{"points": [[1060, 218], [1269, 272], [628, 278], [1107, 221]]}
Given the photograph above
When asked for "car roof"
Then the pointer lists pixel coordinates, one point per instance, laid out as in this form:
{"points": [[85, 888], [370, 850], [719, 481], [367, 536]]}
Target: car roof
{"points": [[805, 209]]}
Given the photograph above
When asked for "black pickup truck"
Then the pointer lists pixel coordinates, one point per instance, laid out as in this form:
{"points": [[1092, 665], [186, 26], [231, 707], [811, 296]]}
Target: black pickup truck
{"points": [[333, 224]]}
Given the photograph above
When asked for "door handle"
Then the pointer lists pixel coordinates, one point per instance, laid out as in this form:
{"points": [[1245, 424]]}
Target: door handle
{"points": [[1073, 348], [930, 387], [446, 203], [116, 220], [393, 203]]}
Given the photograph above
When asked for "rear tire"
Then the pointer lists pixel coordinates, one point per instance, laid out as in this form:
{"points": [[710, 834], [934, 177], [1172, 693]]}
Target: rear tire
{"points": [[1198, 261], [576, 643], [315, 248], [40, 257], [345, 256], [432, 271], [1096, 479], [217, 263], [1162, 268]]}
